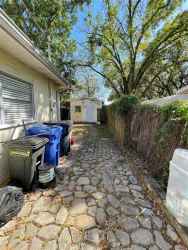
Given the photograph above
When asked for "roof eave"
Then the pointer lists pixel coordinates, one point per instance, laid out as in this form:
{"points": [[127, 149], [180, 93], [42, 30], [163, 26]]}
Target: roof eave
{"points": [[17, 34]]}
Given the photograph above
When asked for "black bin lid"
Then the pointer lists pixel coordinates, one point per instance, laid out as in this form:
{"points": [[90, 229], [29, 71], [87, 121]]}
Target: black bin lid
{"points": [[65, 124], [32, 142]]}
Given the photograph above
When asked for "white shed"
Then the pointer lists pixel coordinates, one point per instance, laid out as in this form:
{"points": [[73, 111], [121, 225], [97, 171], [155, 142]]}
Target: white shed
{"points": [[86, 110]]}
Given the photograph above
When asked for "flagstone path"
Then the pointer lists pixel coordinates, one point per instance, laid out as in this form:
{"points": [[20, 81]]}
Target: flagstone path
{"points": [[97, 204]]}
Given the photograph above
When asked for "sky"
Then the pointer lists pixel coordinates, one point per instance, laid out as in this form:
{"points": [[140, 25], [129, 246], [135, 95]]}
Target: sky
{"points": [[79, 35], [95, 7]]}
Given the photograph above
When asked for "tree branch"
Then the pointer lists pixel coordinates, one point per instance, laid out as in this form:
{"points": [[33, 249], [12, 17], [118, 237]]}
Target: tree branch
{"points": [[101, 74]]}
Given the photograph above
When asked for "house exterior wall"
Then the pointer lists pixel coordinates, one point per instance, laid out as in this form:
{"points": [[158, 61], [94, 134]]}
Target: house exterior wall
{"points": [[88, 111], [44, 91]]}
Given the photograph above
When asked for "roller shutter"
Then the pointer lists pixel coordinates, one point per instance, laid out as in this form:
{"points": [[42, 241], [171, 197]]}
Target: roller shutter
{"points": [[16, 100]]}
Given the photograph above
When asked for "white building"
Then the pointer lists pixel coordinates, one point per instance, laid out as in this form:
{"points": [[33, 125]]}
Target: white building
{"points": [[85, 110], [29, 87]]}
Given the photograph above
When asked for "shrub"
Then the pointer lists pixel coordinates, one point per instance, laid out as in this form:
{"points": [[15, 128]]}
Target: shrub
{"points": [[175, 110], [124, 104]]}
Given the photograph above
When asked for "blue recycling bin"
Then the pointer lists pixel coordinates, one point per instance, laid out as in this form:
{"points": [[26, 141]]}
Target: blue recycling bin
{"points": [[65, 140], [52, 148]]}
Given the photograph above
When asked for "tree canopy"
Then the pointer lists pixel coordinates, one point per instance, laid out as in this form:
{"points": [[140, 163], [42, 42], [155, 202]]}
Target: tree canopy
{"points": [[132, 44], [137, 46], [48, 23]]}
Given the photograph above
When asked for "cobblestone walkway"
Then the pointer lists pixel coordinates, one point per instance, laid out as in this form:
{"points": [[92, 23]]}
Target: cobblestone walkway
{"points": [[98, 204]]}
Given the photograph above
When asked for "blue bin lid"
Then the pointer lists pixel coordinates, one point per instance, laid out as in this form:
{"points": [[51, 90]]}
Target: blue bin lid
{"points": [[64, 126], [53, 131]]}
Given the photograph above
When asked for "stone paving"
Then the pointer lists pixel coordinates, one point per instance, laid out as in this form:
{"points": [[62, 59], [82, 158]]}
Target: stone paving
{"points": [[97, 204]]}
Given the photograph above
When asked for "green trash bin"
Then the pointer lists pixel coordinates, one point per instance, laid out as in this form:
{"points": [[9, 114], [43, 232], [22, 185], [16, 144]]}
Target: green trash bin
{"points": [[25, 155]]}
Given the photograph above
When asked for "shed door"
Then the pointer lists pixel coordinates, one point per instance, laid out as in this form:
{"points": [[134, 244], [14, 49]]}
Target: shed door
{"points": [[90, 112], [16, 100]]}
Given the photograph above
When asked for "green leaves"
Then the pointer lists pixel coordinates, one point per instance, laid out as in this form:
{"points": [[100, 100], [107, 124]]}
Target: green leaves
{"points": [[136, 36], [124, 104], [132, 44], [176, 110], [48, 23]]}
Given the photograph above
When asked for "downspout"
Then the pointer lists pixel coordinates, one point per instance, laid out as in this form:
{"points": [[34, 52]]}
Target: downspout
{"points": [[50, 101]]}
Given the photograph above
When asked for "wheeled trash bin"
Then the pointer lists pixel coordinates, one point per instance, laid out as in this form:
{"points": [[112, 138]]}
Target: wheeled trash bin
{"points": [[52, 148], [25, 155], [65, 136]]}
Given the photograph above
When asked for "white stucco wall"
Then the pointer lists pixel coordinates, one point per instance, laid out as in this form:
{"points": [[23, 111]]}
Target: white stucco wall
{"points": [[88, 110], [43, 88]]}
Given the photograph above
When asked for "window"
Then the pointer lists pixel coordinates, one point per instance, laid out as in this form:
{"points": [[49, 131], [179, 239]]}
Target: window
{"points": [[78, 109], [16, 100]]}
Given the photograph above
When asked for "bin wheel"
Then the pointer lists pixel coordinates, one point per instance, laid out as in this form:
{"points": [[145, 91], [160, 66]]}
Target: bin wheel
{"points": [[34, 183], [51, 184], [68, 149], [28, 187]]}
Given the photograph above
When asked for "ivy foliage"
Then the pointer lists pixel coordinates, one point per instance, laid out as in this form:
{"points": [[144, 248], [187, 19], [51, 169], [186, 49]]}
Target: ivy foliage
{"points": [[176, 110]]}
